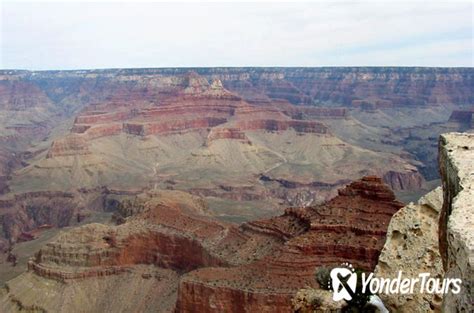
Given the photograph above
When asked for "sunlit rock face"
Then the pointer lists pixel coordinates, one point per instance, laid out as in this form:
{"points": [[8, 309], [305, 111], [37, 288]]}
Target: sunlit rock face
{"points": [[220, 266], [186, 130], [249, 142], [412, 247], [456, 228], [335, 232]]}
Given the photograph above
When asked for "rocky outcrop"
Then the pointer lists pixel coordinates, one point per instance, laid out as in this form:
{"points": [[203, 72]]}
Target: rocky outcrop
{"points": [[21, 215], [68, 146], [257, 266], [412, 247], [227, 133], [26, 212], [326, 234], [173, 126], [198, 105], [96, 250], [456, 162], [408, 180]]}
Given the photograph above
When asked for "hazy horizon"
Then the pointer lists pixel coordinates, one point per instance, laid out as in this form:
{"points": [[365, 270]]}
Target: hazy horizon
{"points": [[230, 66], [105, 35]]}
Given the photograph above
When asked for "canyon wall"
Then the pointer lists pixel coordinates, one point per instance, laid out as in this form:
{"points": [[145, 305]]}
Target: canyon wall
{"points": [[258, 266], [456, 161], [378, 86], [328, 234]]}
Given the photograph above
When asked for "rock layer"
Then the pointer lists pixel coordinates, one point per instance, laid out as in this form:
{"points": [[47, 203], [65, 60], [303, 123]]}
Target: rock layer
{"points": [[324, 235], [456, 161], [257, 266], [412, 247], [396, 86]]}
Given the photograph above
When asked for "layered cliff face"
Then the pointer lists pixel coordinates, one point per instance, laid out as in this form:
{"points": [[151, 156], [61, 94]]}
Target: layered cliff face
{"points": [[183, 132], [312, 237], [383, 87], [379, 87], [250, 141], [257, 266], [37, 106], [456, 227]]}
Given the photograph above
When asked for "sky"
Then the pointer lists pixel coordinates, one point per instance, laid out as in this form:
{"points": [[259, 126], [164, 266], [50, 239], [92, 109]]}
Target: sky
{"points": [[86, 35]]}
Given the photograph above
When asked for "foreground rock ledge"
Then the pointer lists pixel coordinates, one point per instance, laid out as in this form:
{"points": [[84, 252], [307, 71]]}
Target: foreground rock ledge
{"points": [[456, 162], [412, 247]]}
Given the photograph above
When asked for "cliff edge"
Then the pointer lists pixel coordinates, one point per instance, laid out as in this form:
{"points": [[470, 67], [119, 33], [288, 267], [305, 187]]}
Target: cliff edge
{"points": [[456, 228]]}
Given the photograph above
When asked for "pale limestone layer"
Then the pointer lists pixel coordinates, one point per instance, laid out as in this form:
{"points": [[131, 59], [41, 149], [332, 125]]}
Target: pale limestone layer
{"points": [[412, 247], [142, 289], [456, 158]]}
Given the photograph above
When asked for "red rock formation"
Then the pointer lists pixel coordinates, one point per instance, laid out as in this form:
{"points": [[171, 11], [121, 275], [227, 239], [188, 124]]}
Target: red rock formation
{"points": [[349, 228], [171, 231], [227, 133], [257, 266], [25, 212], [68, 146], [25, 236], [173, 126], [94, 117], [193, 105], [103, 130], [408, 180]]}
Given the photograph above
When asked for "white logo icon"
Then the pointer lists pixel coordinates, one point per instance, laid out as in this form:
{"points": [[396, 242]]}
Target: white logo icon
{"points": [[344, 283]]}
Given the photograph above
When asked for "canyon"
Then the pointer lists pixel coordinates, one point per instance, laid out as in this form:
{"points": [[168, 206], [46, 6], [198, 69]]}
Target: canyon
{"points": [[217, 188], [220, 267]]}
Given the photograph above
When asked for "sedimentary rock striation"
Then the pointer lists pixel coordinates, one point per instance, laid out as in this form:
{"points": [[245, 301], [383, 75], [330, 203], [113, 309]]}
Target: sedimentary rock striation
{"points": [[385, 86], [323, 235], [26, 212], [145, 105], [188, 132], [456, 228], [35, 102], [256, 266], [198, 105], [242, 138]]}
